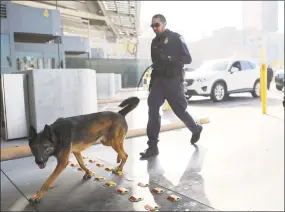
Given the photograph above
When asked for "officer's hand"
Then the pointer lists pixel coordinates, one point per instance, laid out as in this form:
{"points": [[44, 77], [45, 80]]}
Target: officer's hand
{"points": [[169, 58], [164, 57]]}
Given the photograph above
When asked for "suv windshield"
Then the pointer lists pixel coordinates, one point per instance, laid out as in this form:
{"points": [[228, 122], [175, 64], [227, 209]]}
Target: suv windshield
{"points": [[214, 66]]}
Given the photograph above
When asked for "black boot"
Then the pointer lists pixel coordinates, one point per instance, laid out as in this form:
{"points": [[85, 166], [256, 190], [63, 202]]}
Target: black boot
{"points": [[152, 150], [196, 136]]}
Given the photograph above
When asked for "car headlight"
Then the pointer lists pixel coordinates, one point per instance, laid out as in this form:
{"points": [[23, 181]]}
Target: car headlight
{"points": [[201, 80]]}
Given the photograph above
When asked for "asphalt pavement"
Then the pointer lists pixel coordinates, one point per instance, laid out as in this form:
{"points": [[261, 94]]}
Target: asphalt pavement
{"points": [[237, 165]]}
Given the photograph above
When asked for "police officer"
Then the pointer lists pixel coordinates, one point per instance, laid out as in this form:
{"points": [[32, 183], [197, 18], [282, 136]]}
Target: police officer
{"points": [[269, 76], [169, 53]]}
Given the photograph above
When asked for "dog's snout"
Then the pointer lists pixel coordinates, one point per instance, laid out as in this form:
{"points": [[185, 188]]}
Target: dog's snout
{"points": [[39, 160]]}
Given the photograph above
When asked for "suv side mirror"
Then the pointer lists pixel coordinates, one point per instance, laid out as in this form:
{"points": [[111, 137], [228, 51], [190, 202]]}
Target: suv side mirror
{"points": [[233, 70]]}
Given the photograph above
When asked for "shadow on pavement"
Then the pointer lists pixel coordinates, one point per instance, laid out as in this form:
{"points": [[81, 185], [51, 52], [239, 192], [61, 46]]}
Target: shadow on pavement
{"points": [[275, 117], [191, 183]]}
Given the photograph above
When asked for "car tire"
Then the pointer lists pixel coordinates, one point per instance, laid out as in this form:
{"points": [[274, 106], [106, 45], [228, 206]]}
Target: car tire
{"points": [[279, 88], [219, 92], [256, 89]]}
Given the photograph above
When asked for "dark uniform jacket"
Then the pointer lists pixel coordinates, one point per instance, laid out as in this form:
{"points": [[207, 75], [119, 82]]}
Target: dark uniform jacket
{"points": [[169, 53]]}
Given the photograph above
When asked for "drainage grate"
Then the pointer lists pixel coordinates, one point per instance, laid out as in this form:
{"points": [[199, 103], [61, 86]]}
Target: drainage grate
{"points": [[3, 12]]}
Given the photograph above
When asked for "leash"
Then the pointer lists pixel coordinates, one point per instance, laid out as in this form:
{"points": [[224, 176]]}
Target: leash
{"points": [[142, 76], [19, 190]]}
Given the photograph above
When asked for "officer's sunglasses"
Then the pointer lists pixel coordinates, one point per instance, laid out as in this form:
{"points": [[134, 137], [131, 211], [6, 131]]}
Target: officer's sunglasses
{"points": [[155, 25]]}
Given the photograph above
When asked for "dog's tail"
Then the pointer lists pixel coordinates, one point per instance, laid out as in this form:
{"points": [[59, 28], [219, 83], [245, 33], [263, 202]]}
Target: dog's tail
{"points": [[128, 105]]}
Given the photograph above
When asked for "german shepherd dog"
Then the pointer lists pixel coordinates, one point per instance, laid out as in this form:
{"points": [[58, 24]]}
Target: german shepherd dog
{"points": [[75, 134]]}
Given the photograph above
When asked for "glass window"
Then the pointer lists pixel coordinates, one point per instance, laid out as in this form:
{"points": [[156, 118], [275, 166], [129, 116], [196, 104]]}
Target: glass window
{"points": [[5, 51], [245, 65], [237, 65], [27, 63], [253, 65]]}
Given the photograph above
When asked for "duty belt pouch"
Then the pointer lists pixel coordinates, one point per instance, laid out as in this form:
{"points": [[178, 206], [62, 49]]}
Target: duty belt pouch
{"points": [[173, 70], [169, 70]]}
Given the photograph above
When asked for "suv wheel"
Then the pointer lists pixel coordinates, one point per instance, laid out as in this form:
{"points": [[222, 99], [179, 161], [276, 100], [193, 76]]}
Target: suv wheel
{"points": [[219, 92], [256, 89], [279, 88]]}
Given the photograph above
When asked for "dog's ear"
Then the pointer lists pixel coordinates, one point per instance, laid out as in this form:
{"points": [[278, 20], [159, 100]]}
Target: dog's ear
{"points": [[49, 133], [32, 134]]}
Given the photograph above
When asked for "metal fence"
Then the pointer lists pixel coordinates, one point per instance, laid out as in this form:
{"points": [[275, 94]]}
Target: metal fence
{"points": [[130, 69]]}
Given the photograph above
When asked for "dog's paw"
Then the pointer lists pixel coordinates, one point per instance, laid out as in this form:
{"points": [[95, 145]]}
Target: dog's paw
{"points": [[36, 198], [88, 175], [118, 171], [34, 201]]}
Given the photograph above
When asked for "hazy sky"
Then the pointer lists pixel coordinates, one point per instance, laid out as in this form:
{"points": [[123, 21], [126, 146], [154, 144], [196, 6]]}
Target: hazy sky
{"points": [[195, 19]]}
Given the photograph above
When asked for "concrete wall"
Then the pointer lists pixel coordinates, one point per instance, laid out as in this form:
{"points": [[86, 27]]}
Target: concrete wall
{"points": [[7, 50], [38, 47], [60, 93], [5, 53], [75, 44], [119, 49], [7, 37], [34, 20], [4, 26], [28, 20], [105, 86], [97, 53]]}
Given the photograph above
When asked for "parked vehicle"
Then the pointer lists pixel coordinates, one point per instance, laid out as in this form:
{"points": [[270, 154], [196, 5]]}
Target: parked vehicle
{"points": [[279, 80], [187, 68], [220, 78]]}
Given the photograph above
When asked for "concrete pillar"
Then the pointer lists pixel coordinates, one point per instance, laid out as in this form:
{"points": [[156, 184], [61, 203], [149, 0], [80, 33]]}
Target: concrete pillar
{"points": [[105, 85], [59, 93], [118, 82]]}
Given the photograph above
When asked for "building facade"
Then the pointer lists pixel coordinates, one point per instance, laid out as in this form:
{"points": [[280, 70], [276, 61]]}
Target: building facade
{"points": [[260, 16]]}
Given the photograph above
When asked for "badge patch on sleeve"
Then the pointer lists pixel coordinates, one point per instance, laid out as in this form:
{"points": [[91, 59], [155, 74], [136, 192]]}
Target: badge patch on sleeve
{"points": [[166, 40]]}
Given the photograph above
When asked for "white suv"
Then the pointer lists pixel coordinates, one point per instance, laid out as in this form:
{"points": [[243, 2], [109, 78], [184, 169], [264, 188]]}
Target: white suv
{"points": [[219, 78]]}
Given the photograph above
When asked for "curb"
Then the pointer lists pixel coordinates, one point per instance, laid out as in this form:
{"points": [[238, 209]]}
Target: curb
{"points": [[11, 153], [23, 151]]}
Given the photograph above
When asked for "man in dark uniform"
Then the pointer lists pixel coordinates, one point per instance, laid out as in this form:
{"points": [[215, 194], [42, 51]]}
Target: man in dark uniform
{"points": [[269, 76], [169, 53]]}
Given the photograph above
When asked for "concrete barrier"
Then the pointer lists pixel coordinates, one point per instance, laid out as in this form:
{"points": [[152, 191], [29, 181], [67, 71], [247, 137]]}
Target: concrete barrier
{"points": [[105, 85], [118, 82], [116, 100], [14, 105], [59, 93]]}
